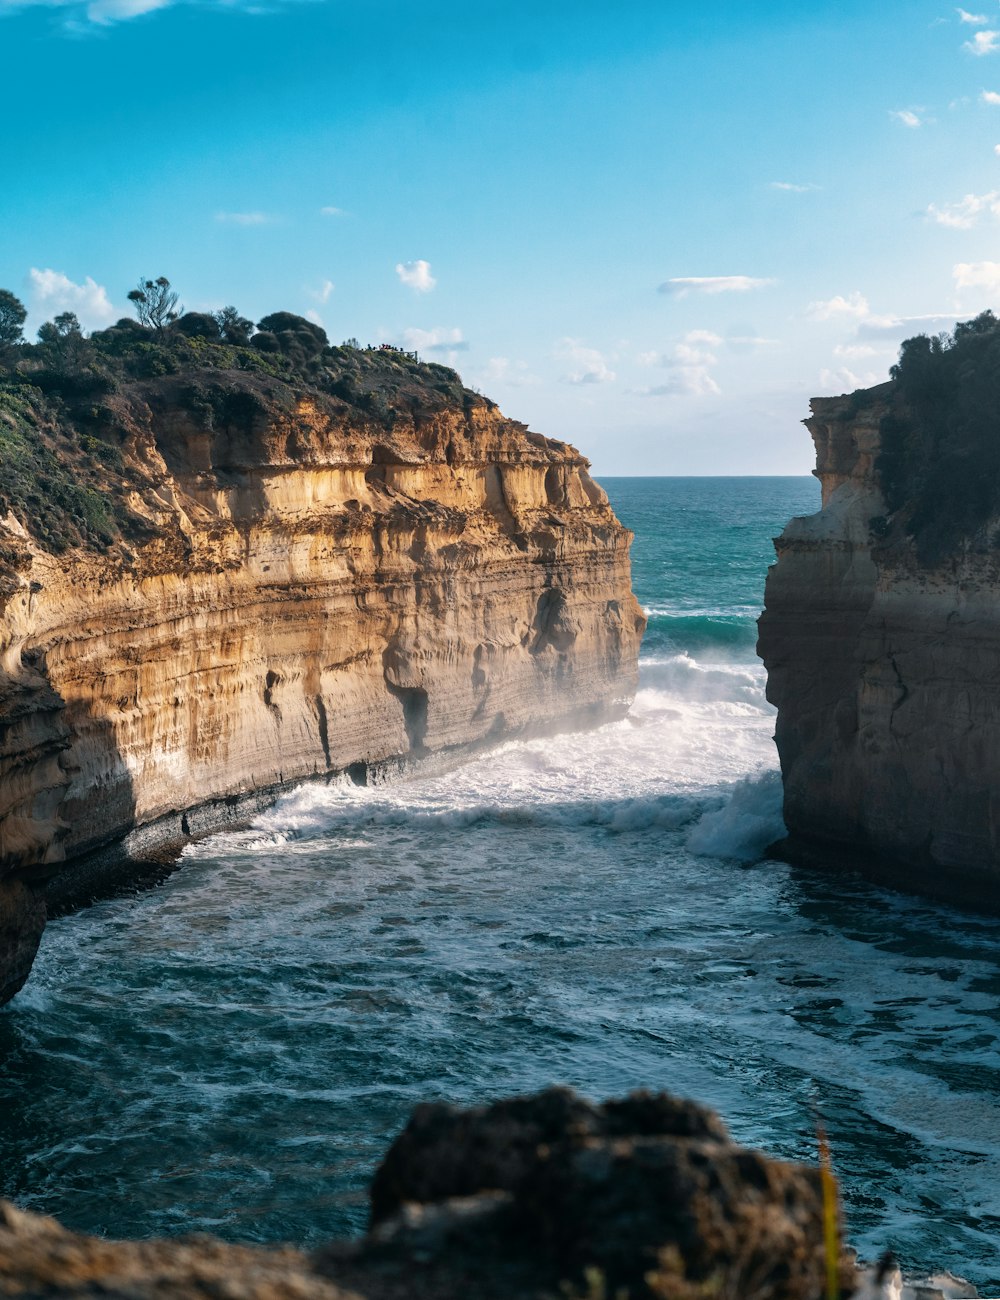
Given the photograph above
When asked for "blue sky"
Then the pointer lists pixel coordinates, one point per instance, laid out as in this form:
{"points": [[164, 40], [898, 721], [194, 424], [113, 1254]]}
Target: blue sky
{"points": [[651, 229]]}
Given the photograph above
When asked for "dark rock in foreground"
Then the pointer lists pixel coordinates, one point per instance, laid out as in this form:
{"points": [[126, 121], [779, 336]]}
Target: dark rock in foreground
{"points": [[521, 1199]]}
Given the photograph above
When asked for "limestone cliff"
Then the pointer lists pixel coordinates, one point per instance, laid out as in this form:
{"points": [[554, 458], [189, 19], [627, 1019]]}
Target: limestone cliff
{"points": [[249, 572], [881, 631]]}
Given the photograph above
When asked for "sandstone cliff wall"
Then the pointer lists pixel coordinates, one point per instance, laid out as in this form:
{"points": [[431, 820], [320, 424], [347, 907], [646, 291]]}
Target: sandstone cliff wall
{"points": [[885, 670], [317, 593]]}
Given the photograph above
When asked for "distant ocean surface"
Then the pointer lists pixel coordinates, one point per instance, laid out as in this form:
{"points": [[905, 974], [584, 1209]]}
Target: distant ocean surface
{"points": [[233, 1051]]}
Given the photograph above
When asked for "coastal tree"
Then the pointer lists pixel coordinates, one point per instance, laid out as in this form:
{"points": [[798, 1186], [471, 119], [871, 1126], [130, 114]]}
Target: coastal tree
{"points": [[939, 464], [64, 340], [62, 327], [234, 328], [198, 325], [155, 303], [297, 337], [13, 314]]}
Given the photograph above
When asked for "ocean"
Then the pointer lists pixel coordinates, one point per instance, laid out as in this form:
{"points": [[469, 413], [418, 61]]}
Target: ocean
{"points": [[234, 1050]]}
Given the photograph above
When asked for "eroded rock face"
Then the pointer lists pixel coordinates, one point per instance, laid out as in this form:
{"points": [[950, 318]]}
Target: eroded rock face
{"points": [[885, 670], [317, 592], [523, 1200]]}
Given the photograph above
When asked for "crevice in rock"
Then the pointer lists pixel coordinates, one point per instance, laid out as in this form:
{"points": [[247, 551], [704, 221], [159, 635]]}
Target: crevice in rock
{"points": [[270, 682], [414, 701], [324, 731]]}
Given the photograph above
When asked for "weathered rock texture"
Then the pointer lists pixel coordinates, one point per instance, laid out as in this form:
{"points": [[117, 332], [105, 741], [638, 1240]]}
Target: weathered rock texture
{"points": [[532, 1198], [883, 658], [307, 590]]}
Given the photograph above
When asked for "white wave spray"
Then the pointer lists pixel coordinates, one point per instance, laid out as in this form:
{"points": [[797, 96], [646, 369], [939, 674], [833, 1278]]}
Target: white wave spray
{"points": [[695, 751]]}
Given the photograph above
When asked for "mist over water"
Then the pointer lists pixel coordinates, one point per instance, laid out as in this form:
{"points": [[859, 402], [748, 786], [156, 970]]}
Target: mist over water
{"points": [[234, 1050]]}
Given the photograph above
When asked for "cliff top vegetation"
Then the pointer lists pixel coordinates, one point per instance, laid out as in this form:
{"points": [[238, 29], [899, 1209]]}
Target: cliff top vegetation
{"points": [[63, 475], [939, 465]]}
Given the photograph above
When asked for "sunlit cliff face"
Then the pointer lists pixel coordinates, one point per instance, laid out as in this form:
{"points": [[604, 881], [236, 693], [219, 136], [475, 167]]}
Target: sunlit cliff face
{"points": [[315, 594]]}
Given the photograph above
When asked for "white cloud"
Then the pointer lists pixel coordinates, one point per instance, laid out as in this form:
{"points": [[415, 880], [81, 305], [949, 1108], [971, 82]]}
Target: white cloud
{"points": [[737, 341], [977, 275], [322, 294], [438, 339], [313, 315], [681, 286], [588, 366], [103, 13], [990, 97], [857, 351], [514, 374], [245, 218], [996, 150], [906, 116], [964, 214], [113, 11], [53, 292], [854, 304], [332, 212], [690, 367], [984, 42], [872, 327], [977, 20], [417, 275], [844, 380], [898, 327], [792, 188]]}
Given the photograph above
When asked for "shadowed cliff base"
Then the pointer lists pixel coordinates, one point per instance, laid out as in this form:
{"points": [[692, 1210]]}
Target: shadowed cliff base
{"points": [[146, 856], [881, 631], [972, 893], [307, 561]]}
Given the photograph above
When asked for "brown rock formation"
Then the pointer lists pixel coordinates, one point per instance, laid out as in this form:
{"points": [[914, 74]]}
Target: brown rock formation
{"points": [[522, 1200], [882, 655], [300, 589], [39, 1258]]}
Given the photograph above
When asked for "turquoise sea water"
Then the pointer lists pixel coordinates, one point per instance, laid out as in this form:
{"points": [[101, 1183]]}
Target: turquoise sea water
{"points": [[234, 1050]]}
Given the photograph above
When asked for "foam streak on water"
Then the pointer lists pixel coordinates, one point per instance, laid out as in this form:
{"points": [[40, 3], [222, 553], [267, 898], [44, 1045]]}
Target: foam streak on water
{"points": [[233, 1050]]}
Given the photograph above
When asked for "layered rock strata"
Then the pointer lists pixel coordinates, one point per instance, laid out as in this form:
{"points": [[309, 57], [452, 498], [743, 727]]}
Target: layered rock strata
{"points": [[523, 1200], [883, 659], [307, 591]]}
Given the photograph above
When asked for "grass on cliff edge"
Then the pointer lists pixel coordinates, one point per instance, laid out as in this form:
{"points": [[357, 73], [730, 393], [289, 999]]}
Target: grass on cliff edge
{"points": [[52, 485]]}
